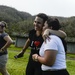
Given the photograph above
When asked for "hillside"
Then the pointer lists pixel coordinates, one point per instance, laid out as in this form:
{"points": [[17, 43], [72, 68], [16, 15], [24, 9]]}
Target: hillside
{"points": [[10, 14], [21, 22]]}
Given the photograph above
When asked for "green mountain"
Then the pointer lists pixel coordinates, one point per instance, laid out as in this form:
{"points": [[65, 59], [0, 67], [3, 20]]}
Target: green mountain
{"points": [[10, 14], [22, 22]]}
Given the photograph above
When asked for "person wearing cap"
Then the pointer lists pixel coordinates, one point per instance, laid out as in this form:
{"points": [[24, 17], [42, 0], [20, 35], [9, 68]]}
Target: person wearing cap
{"points": [[5, 42]]}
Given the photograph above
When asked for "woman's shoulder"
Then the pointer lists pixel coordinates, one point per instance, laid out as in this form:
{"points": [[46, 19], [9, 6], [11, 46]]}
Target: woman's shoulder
{"points": [[4, 34]]}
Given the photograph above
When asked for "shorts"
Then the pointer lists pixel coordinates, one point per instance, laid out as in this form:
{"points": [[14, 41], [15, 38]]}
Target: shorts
{"points": [[3, 60]]}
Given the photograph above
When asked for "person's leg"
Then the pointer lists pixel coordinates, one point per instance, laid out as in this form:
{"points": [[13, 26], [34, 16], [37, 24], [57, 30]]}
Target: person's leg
{"points": [[29, 69], [3, 61], [4, 71], [38, 72]]}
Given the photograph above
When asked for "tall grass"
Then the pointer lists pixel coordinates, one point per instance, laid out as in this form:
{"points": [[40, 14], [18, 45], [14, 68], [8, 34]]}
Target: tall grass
{"points": [[18, 66]]}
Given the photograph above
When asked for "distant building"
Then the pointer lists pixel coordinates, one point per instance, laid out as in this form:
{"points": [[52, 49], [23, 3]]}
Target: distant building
{"points": [[20, 41], [71, 45]]}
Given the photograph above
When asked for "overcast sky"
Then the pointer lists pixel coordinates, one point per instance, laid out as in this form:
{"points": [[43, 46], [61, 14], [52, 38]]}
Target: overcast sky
{"points": [[63, 8]]}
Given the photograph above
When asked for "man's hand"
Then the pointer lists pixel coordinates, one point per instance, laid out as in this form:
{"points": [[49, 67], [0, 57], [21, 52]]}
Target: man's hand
{"points": [[35, 57], [46, 34], [19, 55], [2, 50]]}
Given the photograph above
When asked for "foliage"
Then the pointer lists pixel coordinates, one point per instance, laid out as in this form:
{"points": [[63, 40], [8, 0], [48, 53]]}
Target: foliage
{"points": [[23, 26], [69, 27], [17, 21]]}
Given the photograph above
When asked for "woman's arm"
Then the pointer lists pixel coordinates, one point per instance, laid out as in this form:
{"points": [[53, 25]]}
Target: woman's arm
{"points": [[59, 33], [9, 41], [48, 59], [23, 49]]}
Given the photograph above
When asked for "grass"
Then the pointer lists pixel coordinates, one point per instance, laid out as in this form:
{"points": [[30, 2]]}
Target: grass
{"points": [[71, 63], [18, 66], [71, 66]]}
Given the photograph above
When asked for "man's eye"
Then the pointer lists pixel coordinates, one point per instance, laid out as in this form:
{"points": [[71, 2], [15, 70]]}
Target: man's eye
{"points": [[39, 23], [35, 21]]}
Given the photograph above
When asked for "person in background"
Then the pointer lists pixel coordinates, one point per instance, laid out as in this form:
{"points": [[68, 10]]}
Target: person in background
{"points": [[52, 53], [34, 41], [5, 42]]}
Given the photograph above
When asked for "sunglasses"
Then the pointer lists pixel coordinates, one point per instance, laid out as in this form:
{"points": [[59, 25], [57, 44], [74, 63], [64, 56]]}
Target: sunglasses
{"points": [[2, 26]]}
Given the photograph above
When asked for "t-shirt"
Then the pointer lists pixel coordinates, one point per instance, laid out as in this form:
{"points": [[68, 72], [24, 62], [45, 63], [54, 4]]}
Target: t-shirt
{"points": [[3, 42], [55, 43], [35, 42]]}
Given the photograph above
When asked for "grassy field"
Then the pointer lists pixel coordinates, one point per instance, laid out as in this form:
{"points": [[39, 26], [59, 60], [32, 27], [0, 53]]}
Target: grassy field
{"points": [[18, 66]]}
